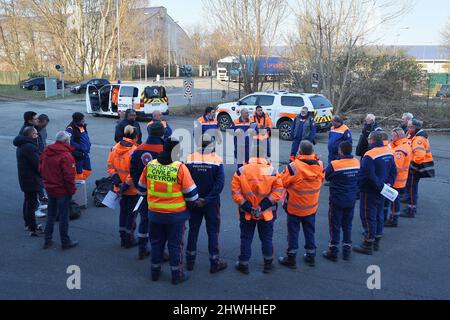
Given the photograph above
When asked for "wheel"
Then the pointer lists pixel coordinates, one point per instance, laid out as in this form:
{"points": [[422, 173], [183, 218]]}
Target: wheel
{"points": [[35, 88], [224, 121], [285, 130]]}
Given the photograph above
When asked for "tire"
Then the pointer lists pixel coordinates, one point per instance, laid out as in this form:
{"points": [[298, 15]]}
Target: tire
{"points": [[285, 130], [224, 121], [35, 88]]}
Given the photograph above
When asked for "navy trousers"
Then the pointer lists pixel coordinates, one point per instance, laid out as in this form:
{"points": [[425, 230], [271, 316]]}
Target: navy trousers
{"points": [[371, 213], [340, 218], [127, 218], [309, 226], [265, 232]]}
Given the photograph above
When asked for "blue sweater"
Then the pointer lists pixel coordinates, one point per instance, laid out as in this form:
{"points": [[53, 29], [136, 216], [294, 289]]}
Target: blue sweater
{"points": [[343, 174]]}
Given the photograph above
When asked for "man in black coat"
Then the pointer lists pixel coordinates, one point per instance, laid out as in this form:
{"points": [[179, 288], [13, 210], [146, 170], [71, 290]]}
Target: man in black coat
{"points": [[369, 126], [27, 154], [130, 120]]}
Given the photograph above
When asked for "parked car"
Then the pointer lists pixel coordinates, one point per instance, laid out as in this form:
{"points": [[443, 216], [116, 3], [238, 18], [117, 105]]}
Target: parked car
{"points": [[444, 91], [81, 88], [282, 107], [37, 84]]}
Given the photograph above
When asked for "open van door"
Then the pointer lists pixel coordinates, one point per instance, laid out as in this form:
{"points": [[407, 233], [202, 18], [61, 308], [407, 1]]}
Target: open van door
{"points": [[92, 99]]}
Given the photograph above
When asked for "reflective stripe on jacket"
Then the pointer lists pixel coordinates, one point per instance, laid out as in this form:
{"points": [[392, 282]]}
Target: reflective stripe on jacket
{"points": [[119, 161], [402, 157]]}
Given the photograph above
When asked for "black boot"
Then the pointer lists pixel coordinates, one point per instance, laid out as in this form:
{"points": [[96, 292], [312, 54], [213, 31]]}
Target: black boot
{"points": [[143, 253], [330, 255], [408, 213], [156, 273], [71, 244], [268, 265], [309, 260], [365, 247], [217, 266], [243, 268], [376, 244], [179, 278], [288, 261]]}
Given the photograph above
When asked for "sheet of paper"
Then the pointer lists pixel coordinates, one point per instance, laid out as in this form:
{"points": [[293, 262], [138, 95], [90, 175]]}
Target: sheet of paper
{"points": [[111, 200], [138, 204], [389, 193]]}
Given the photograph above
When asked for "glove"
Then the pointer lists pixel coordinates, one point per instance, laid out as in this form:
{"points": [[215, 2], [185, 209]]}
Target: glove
{"points": [[247, 207], [116, 180], [265, 204]]}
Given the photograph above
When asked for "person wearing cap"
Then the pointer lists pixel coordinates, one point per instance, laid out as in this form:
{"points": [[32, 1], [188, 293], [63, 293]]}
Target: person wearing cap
{"points": [[145, 153], [422, 165], [80, 141], [170, 190], [156, 118], [207, 171], [130, 120]]}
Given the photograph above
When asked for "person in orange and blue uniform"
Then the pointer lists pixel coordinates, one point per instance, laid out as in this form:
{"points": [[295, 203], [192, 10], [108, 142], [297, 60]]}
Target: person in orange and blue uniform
{"points": [[402, 156], [206, 169], [263, 128], [145, 153], [80, 141], [119, 160], [343, 175], [170, 192], [422, 165], [377, 169], [339, 132], [156, 117], [256, 188], [303, 128], [242, 139], [302, 180], [207, 124]]}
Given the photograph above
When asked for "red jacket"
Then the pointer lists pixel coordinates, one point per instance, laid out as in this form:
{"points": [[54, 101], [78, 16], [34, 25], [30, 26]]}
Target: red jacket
{"points": [[57, 167]]}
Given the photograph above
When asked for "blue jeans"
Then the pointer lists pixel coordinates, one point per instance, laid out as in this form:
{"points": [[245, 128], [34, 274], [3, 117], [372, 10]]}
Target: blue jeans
{"points": [[173, 234], [211, 213], [309, 226], [265, 232], [127, 218], [412, 190], [340, 218], [371, 213], [58, 207]]}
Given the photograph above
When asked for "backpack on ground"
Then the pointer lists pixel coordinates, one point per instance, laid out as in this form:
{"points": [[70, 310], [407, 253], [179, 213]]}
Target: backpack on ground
{"points": [[102, 187], [74, 211]]}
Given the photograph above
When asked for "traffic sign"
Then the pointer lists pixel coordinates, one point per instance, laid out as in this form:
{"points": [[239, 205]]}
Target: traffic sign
{"points": [[188, 85], [315, 79]]}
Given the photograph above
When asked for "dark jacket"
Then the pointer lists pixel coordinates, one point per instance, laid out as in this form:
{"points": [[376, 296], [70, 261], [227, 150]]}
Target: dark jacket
{"points": [[27, 154], [304, 129], [145, 153], [118, 135], [343, 174], [79, 138], [377, 168], [42, 138], [57, 167], [363, 143]]}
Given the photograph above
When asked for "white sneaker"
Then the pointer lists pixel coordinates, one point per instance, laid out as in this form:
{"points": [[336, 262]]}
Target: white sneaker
{"points": [[42, 207], [39, 214]]}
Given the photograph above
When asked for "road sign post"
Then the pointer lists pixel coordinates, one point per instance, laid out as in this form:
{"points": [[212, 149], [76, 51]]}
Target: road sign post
{"points": [[315, 80], [188, 85]]}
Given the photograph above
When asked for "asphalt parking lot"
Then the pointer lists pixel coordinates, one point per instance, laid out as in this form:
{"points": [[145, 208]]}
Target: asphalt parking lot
{"points": [[414, 258]]}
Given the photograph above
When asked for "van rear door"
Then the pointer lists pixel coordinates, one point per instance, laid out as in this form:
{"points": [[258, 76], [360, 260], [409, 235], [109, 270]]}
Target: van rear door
{"points": [[155, 99]]}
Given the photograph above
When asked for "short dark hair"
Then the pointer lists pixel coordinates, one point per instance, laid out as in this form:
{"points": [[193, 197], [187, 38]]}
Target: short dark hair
{"points": [[128, 111], [28, 116], [377, 136], [43, 117], [346, 148], [77, 116], [417, 123], [258, 107], [338, 119], [208, 110], [306, 148], [27, 131]]}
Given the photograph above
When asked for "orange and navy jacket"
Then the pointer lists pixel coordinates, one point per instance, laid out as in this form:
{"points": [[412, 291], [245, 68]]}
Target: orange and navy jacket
{"points": [[206, 124], [343, 175], [264, 122], [335, 137], [402, 157], [302, 180], [207, 170], [145, 153], [255, 182], [422, 162], [241, 124], [119, 163], [377, 168], [168, 188], [168, 130], [83, 143]]}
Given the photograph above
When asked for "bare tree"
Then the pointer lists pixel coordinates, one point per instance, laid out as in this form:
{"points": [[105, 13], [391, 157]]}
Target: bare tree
{"points": [[252, 27], [328, 30]]}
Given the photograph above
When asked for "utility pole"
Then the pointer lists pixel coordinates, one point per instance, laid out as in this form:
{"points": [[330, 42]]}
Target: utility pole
{"points": [[119, 80], [168, 45]]}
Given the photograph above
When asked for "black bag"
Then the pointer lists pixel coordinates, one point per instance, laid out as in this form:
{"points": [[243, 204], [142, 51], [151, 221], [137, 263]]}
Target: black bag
{"points": [[102, 187], [74, 211]]}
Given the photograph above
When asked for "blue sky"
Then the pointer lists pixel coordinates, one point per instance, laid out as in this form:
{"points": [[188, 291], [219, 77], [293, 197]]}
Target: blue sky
{"points": [[424, 22]]}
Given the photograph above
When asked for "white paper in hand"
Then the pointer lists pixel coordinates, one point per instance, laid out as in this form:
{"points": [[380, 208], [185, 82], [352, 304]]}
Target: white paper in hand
{"points": [[389, 193], [111, 200], [138, 204]]}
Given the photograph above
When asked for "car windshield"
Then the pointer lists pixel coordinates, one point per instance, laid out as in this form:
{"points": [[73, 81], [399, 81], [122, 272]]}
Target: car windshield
{"points": [[320, 102]]}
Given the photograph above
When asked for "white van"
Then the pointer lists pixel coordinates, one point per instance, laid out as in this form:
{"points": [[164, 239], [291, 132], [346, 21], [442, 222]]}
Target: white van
{"points": [[114, 98], [282, 107]]}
